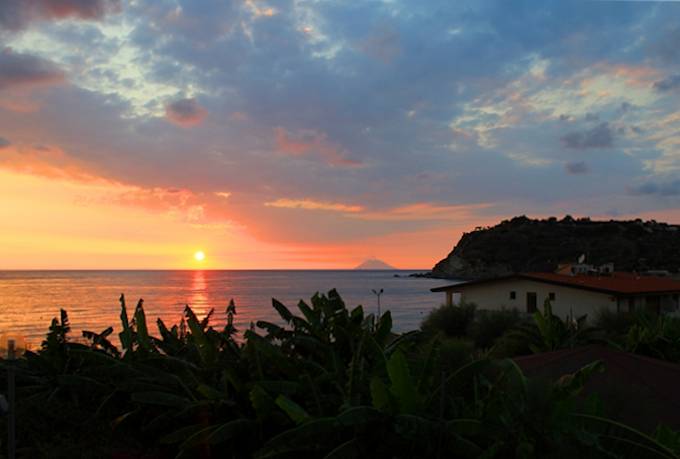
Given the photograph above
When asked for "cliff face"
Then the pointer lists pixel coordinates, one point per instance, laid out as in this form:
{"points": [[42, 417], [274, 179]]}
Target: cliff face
{"points": [[523, 244]]}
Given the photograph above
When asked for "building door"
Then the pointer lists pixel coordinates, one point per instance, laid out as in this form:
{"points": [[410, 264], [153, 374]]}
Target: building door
{"points": [[531, 302]]}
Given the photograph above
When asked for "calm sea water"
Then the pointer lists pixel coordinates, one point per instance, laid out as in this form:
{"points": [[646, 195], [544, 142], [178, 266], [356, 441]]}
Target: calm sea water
{"points": [[30, 299]]}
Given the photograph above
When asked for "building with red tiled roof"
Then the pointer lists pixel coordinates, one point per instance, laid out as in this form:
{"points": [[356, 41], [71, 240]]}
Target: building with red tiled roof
{"points": [[580, 294], [639, 391]]}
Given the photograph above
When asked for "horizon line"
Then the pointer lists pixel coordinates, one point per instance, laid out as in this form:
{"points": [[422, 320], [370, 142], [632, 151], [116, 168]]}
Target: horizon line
{"points": [[209, 269]]}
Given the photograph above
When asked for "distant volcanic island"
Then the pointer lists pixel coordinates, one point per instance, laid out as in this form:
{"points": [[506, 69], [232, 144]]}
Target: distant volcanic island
{"points": [[523, 244], [374, 263]]}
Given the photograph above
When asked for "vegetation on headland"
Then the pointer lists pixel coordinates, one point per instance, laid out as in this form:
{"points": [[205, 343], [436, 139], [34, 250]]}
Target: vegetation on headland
{"points": [[523, 244], [332, 382]]}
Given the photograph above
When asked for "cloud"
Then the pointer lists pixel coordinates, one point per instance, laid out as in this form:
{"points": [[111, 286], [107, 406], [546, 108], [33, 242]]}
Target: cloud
{"points": [[25, 70], [666, 45], [185, 112], [669, 83], [43, 161], [601, 136], [310, 204], [183, 204], [577, 167], [660, 188], [626, 107], [17, 14], [382, 45], [423, 211], [309, 142], [55, 164], [4, 143], [370, 84]]}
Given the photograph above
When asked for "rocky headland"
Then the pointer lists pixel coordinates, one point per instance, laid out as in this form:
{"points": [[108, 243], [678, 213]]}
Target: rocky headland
{"points": [[523, 244]]}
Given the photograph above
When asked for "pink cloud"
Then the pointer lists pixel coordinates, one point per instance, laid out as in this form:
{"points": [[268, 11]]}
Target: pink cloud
{"points": [[309, 143], [83, 9], [185, 112], [382, 45], [633, 75], [17, 14], [19, 100], [18, 70]]}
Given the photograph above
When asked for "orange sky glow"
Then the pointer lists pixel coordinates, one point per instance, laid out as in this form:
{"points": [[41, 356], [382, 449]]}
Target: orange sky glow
{"points": [[134, 136], [55, 223]]}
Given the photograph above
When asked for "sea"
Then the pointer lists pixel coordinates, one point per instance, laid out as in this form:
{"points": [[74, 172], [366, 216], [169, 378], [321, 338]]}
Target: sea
{"points": [[30, 299]]}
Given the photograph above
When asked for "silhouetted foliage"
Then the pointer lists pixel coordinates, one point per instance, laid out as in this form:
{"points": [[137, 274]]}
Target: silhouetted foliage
{"points": [[547, 332], [616, 324], [491, 325], [326, 381], [451, 320]]}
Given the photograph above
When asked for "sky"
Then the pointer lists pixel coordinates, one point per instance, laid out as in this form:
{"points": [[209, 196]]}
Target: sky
{"points": [[317, 134]]}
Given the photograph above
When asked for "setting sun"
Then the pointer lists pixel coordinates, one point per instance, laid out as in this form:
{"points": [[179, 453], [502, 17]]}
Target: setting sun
{"points": [[199, 256]]}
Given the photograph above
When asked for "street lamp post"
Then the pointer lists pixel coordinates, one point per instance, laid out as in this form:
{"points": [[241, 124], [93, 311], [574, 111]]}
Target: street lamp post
{"points": [[378, 293]]}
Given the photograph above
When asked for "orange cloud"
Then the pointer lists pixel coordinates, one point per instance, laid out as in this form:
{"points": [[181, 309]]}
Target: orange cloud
{"points": [[260, 11], [53, 163], [425, 211], [309, 204], [309, 142], [44, 161]]}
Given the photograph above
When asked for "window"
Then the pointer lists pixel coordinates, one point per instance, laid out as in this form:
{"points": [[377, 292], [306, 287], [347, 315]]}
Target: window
{"points": [[513, 295], [551, 296]]}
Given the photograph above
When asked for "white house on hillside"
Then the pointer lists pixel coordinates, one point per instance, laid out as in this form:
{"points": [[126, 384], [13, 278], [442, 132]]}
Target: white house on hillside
{"points": [[569, 294]]}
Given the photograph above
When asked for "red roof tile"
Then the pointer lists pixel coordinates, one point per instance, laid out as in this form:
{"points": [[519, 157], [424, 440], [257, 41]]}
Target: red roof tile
{"points": [[640, 391], [622, 283], [618, 283]]}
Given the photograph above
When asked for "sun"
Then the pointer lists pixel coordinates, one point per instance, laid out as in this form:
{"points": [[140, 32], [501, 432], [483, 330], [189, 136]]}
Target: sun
{"points": [[199, 256]]}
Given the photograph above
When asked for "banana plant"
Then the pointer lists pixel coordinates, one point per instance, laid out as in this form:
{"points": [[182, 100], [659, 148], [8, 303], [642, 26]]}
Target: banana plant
{"points": [[655, 336], [326, 381], [547, 332]]}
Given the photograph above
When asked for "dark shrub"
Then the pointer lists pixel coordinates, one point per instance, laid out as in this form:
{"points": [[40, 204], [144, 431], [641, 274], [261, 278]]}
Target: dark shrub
{"points": [[454, 353], [491, 325], [613, 323], [451, 320], [508, 346]]}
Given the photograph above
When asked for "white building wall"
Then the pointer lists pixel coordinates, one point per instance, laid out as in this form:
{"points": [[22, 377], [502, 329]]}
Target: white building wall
{"points": [[496, 295]]}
